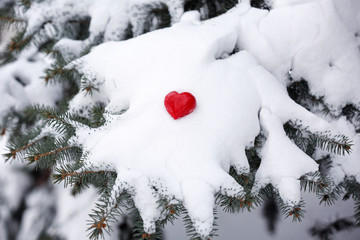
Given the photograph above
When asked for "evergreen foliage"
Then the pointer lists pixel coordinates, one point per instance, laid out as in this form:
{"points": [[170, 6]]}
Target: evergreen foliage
{"points": [[43, 136]]}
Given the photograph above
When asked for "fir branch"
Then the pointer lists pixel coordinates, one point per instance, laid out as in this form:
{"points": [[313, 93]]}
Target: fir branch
{"points": [[351, 187], [107, 209], [56, 118], [253, 157], [246, 180], [10, 21], [16, 45], [314, 182], [171, 211], [84, 176], [102, 216], [329, 198], [138, 225], [236, 204], [78, 176], [338, 144], [295, 211], [47, 153], [37, 157], [59, 73], [191, 232], [305, 139], [88, 86], [19, 146], [25, 147], [19, 44], [64, 174]]}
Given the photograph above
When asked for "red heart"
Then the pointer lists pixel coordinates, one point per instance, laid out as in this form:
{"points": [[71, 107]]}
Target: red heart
{"points": [[179, 104]]}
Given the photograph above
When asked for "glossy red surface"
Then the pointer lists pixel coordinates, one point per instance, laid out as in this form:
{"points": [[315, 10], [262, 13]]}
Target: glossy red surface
{"points": [[179, 105]]}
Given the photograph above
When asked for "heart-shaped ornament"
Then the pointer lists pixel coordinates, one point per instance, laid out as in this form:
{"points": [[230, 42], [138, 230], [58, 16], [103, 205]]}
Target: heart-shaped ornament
{"points": [[179, 105]]}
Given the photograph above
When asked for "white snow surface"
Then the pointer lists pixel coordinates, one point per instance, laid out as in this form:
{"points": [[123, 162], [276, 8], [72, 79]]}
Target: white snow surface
{"points": [[237, 95], [317, 40], [188, 159]]}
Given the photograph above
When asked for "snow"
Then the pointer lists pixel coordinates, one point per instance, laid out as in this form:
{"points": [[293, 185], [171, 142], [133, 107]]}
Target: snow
{"points": [[313, 39], [281, 167], [149, 143], [191, 156], [237, 95]]}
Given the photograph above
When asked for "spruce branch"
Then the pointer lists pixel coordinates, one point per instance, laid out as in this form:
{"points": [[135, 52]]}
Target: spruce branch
{"points": [[59, 73], [191, 232], [169, 210], [10, 21], [236, 204], [70, 174], [338, 144], [295, 211], [138, 225], [246, 180], [25, 147], [17, 44], [103, 216], [351, 187], [314, 182], [305, 139], [329, 198], [48, 158], [21, 145], [89, 86], [55, 118]]}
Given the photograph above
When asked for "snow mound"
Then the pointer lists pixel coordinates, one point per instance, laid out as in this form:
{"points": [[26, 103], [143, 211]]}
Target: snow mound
{"points": [[314, 40], [188, 159]]}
